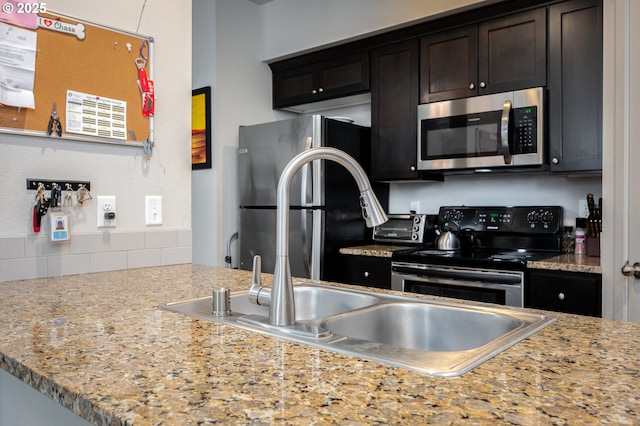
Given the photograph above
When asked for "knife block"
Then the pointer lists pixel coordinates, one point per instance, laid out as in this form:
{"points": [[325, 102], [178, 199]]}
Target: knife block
{"points": [[593, 246]]}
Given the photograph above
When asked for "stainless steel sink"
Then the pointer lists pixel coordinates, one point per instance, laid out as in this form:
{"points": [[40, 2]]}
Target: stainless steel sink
{"points": [[312, 302], [423, 327], [433, 337]]}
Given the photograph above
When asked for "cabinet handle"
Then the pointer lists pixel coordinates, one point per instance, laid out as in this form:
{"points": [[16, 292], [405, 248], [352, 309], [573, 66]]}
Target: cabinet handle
{"points": [[412, 168], [555, 160], [560, 296], [472, 86], [483, 84], [314, 91], [366, 274], [320, 90], [631, 270]]}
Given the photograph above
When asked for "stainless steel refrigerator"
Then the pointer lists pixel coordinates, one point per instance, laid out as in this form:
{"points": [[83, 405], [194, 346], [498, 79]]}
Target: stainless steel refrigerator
{"points": [[325, 214]]}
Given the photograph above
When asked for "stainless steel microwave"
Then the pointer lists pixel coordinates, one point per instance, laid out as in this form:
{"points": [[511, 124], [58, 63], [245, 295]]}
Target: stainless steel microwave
{"points": [[483, 132]]}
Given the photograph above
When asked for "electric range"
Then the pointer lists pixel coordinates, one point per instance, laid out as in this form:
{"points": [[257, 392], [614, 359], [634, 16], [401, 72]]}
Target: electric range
{"points": [[495, 245]]}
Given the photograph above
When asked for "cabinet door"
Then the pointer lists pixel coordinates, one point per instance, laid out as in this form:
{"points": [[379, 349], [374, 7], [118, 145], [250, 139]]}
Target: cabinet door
{"points": [[327, 79], [512, 52], [295, 86], [570, 292], [449, 65], [575, 86], [342, 76], [394, 111], [367, 271]]}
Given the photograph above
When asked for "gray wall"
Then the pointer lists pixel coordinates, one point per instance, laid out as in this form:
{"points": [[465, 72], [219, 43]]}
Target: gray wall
{"points": [[112, 169]]}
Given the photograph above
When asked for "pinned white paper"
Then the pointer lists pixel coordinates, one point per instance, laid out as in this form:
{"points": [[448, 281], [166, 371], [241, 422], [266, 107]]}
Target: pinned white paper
{"points": [[94, 115], [17, 66]]}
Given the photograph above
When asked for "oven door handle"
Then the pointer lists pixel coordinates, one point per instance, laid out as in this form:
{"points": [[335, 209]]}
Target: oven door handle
{"points": [[445, 281], [493, 277]]}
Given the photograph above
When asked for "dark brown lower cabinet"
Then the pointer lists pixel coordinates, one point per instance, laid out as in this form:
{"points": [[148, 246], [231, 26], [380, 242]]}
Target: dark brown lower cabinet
{"points": [[561, 291], [368, 271]]}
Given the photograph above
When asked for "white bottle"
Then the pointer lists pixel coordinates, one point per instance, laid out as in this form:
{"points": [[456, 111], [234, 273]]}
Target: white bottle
{"points": [[581, 243]]}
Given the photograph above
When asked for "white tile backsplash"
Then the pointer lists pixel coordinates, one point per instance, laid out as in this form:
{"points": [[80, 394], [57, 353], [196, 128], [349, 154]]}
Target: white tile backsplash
{"points": [[108, 261], [36, 256], [41, 245], [24, 268], [185, 238], [176, 255], [160, 239], [68, 265], [89, 243], [11, 248], [126, 241], [144, 258]]}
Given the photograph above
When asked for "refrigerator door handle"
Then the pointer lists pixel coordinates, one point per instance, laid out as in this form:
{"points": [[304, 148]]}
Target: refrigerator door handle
{"points": [[305, 251], [316, 244], [304, 174]]}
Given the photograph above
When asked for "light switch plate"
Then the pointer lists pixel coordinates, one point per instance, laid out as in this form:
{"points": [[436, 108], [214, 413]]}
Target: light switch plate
{"points": [[106, 208], [153, 209]]}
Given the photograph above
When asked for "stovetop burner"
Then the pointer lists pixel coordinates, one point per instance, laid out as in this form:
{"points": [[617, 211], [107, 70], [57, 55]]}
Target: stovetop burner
{"points": [[501, 237], [509, 259], [517, 255]]}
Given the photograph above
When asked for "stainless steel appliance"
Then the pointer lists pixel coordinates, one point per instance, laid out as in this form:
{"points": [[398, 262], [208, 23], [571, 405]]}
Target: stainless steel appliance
{"points": [[324, 213], [403, 228], [483, 132], [496, 243]]}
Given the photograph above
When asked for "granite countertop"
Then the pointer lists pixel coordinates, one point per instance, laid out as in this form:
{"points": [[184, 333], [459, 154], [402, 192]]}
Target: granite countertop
{"points": [[373, 250], [564, 262], [98, 345], [569, 263]]}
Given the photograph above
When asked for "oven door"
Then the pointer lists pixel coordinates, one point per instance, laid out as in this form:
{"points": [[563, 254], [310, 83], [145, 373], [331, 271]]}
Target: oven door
{"points": [[481, 285]]}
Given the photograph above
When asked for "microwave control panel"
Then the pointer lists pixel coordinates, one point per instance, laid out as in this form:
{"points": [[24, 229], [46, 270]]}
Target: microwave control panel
{"points": [[525, 129]]}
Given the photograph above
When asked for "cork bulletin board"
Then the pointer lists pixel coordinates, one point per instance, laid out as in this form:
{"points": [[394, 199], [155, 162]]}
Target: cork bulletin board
{"points": [[101, 63]]}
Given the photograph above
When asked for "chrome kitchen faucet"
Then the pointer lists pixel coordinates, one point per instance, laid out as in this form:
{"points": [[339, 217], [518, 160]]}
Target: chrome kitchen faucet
{"points": [[280, 297]]}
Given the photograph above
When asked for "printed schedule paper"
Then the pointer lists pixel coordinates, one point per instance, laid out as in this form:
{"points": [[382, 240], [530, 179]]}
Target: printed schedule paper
{"points": [[94, 115]]}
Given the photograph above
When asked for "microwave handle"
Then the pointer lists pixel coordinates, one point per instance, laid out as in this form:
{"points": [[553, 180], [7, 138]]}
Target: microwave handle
{"points": [[504, 131]]}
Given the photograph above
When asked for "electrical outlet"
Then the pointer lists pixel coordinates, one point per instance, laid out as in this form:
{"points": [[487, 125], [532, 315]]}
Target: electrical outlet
{"points": [[106, 211], [583, 208], [153, 209]]}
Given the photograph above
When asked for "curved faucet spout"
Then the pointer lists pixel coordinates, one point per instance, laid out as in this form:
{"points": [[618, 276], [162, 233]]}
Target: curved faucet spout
{"points": [[282, 308]]}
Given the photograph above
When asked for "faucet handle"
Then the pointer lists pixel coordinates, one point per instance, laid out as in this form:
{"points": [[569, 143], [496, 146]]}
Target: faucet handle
{"points": [[256, 279], [258, 295]]}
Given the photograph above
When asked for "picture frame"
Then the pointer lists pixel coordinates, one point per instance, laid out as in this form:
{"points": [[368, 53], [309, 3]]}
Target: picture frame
{"points": [[201, 128]]}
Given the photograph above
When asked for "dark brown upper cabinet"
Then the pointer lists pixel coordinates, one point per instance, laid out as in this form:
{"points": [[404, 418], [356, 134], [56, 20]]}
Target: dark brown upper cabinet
{"points": [[317, 81], [394, 119], [575, 86], [498, 55]]}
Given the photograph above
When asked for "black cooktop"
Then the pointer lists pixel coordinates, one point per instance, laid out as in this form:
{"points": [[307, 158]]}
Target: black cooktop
{"points": [[496, 237], [500, 258]]}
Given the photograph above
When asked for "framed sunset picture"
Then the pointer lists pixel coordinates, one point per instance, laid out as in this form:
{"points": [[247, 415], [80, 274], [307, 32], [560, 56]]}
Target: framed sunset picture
{"points": [[201, 128]]}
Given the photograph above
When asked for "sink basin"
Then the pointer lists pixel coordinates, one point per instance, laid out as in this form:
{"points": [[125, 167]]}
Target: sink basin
{"points": [[423, 327], [429, 336], [312, 302]]}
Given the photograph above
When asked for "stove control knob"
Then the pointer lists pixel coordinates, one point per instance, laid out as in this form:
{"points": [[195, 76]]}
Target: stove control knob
{"points": [[531, 217], [545, 217]]}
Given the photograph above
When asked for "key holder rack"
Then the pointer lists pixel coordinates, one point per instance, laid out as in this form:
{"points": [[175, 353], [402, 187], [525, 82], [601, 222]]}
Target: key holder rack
{"points": [[48, 183]]}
